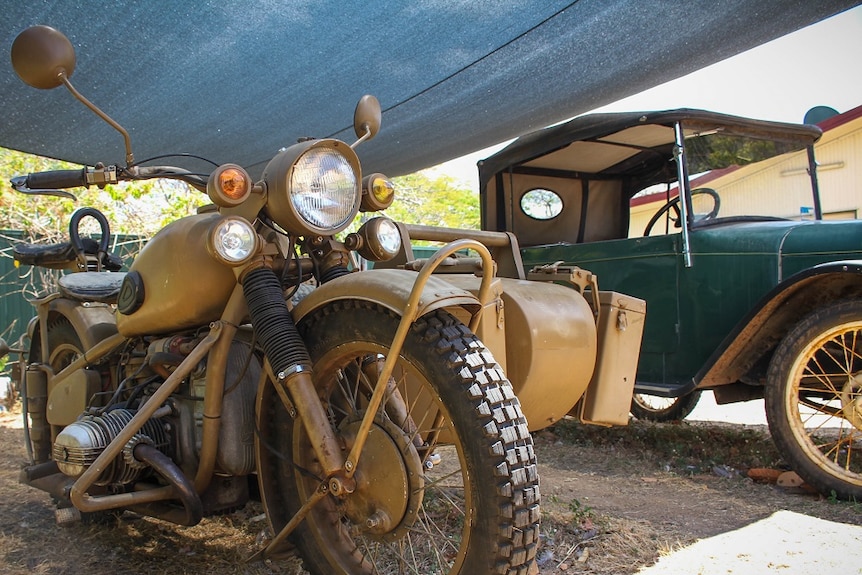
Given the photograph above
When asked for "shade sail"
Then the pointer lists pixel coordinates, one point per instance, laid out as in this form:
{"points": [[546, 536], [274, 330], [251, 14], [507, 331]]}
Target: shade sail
{"points": [[234, 80]]}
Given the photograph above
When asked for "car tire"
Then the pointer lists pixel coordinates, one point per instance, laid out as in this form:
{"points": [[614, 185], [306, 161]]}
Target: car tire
{"points": [[663, 409], [813, 399]]}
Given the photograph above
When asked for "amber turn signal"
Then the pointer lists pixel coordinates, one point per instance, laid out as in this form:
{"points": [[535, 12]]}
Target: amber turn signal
{"points": [[229, 185], [378, 192]]}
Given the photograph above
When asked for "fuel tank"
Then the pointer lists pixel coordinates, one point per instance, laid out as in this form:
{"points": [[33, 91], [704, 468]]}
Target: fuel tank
{"points": [[183, 285]]}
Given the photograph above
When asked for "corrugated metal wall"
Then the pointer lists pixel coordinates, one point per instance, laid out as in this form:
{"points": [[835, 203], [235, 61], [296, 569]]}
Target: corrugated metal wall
{"points": [[14, 309]]}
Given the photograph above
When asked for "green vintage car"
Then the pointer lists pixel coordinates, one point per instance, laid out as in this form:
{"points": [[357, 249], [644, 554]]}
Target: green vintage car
{"points": [[747, 306]]}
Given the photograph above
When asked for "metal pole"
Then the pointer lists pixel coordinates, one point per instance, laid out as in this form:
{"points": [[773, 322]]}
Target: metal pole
{"points": [[815, 187], [684, 192]]}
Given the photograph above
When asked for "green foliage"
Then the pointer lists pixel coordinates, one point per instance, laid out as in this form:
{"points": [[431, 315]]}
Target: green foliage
{"points": [[136, 208], [716, 151], [421, 198], [142, 208], [580, 511]]}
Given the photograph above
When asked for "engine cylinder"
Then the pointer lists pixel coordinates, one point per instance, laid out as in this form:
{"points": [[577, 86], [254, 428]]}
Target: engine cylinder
{"points": [[80, 443]]}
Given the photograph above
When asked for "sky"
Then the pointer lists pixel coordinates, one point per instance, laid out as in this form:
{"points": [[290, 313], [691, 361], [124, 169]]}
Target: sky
{"points": [[781, 80]]}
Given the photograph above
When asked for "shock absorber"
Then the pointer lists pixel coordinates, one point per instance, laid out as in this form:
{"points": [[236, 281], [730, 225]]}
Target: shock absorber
{"points": [[273, 323], [290, 361]]}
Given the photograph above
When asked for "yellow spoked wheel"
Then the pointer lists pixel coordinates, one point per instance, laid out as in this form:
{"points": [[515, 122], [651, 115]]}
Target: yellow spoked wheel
{"points": [[814, 399]]}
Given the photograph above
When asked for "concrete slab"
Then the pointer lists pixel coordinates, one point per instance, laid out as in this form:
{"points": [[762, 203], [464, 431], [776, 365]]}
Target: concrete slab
{"points": [[786, 543]]}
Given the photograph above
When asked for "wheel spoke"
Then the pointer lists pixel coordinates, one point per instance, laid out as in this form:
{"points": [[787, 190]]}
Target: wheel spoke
{"points": [[821, 375], [432, 539]]}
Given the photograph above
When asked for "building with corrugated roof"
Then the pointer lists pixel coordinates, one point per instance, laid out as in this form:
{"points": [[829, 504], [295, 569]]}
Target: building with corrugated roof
{"points": [[781, 186]]}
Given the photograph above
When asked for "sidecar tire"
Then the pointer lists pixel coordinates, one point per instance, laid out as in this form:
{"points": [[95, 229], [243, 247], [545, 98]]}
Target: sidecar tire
{"points": [[488, 524]]}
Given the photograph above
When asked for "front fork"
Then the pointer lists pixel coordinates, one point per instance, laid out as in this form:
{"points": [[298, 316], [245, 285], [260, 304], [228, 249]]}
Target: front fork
{"points": [[275, 328]]}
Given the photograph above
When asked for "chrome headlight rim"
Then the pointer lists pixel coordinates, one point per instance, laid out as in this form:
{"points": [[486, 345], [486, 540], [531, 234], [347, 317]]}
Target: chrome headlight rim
{"points": [[283, 199]]}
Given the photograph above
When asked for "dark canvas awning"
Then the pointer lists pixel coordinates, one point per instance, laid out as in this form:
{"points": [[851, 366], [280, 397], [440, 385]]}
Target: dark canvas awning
{"points": [[234, 80]]}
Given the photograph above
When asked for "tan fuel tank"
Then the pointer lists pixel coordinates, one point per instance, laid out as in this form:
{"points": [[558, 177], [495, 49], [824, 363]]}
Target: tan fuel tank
{"points": [[184, 286], [550, 344]]}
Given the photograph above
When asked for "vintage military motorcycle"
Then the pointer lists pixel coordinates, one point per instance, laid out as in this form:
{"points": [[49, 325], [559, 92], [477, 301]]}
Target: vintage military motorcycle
{"points": [[381, 434], [244, 354]]}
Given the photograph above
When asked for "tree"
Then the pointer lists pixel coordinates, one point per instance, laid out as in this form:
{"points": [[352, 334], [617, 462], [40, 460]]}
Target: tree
{"points": [[421, 198], [132, 208]]}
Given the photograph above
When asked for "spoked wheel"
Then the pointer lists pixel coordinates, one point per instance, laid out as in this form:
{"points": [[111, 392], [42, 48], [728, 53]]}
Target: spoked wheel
{"points": [[814, 399], [447, 480], [663, 409]]}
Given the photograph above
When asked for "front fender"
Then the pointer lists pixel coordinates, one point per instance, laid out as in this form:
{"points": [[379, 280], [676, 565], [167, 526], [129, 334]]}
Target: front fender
{"points": [[389, 288], [757, 334]]}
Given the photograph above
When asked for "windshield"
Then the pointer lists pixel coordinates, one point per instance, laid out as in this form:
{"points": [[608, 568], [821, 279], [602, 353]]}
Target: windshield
{"points": [[718, 150], [732, 175]]}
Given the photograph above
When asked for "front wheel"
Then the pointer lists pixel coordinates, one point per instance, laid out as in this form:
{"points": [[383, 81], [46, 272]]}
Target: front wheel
{"points": [[447, 479], [813, 399]]}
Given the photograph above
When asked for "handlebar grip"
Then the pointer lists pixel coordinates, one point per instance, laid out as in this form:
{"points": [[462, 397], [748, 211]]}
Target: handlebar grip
{"points": [[57, 179]]}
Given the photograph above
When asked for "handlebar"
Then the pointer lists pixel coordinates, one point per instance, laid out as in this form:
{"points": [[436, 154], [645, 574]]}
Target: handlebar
{"points": [[56, 179], [51, 182]]}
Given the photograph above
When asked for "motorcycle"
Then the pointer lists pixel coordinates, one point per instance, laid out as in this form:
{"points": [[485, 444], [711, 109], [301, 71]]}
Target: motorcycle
{"points": [[242, 352], [382, 416]]}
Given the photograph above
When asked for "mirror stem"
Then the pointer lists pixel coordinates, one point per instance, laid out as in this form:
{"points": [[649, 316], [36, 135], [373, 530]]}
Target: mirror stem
{"points": [[130, 158], [364, 137]]}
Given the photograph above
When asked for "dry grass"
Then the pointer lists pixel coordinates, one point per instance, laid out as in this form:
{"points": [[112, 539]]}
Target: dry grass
{"points": [[683, 447]]}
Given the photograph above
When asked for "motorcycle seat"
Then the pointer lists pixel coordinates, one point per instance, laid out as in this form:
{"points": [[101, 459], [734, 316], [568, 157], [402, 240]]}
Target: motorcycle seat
{"points": [[102, 287], [59, 255]]}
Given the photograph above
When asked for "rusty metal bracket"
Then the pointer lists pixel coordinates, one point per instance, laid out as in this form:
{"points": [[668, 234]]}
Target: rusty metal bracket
{"points": [[574, 276]]}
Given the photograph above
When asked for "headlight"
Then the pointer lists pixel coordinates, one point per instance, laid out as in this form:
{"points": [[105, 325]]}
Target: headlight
{"points": [[378, 240], [313, 187], [233, 240]]}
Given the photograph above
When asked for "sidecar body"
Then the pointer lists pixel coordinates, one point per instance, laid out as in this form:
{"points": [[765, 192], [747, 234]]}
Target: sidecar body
{"points": [[567, 347]]}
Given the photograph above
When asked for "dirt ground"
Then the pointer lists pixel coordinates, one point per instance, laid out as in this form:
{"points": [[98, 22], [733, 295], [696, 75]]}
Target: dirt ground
{"points": [[612, 503]]}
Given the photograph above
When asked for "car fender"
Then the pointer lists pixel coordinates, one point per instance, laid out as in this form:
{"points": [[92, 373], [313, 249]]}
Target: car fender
{"points": [[389, 288], [757, 334]]}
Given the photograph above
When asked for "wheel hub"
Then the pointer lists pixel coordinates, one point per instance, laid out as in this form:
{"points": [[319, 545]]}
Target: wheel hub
{"points": [[851, 401], [389, 481]]}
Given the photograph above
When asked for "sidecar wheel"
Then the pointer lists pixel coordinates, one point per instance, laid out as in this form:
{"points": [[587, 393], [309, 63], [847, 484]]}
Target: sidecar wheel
{"points": [[813, 399], [453, 489]]}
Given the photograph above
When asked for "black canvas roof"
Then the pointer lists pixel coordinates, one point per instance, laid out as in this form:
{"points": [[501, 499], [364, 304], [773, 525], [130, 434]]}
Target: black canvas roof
{"points": [[543, 143], [234, 80]]}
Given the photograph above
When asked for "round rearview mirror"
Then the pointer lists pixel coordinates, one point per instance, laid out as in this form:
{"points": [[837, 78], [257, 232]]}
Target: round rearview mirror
{"points": [[367, 117], [42, 57]]}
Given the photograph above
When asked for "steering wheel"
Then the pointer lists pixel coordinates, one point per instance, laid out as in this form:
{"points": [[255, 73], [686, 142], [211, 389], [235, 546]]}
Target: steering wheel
{"points": [[674, 205]]}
